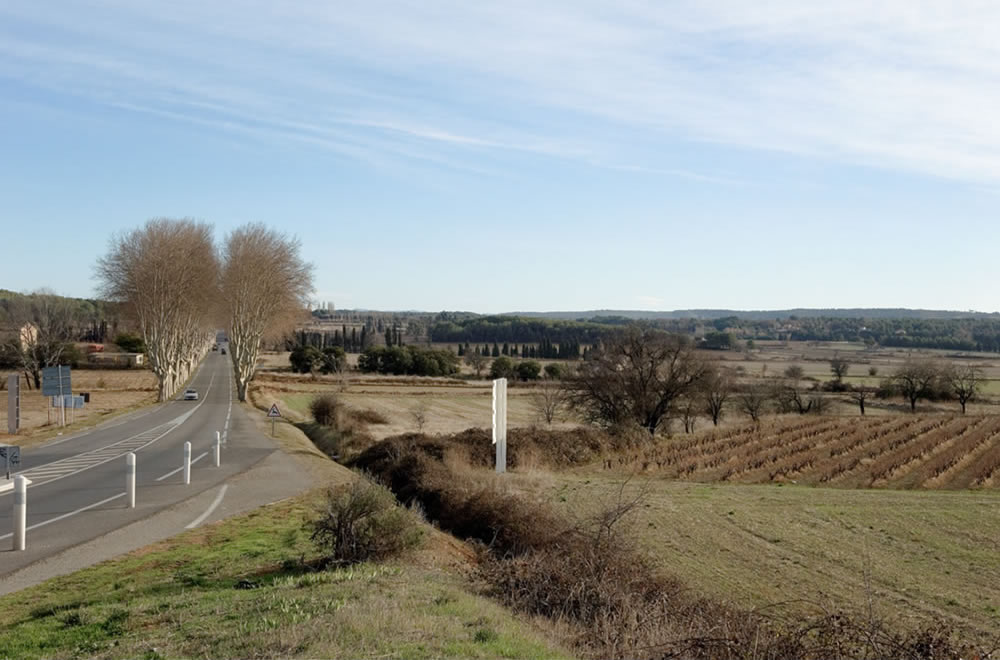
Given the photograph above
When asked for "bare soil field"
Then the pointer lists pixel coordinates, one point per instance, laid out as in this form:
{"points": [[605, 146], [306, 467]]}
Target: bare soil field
{"points": [[111, 391]]}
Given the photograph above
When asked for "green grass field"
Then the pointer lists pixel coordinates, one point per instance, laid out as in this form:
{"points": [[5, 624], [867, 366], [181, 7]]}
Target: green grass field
{"points": [[239, 589], [918, 555]]}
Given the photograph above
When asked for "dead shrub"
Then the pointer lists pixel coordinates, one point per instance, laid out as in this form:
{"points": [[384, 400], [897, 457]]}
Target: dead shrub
{"points": [[369, 416], [325, 409], [363, 522]]}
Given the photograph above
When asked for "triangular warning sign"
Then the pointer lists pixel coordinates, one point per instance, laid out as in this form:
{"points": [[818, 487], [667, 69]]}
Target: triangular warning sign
{"points": [[273, 412]]}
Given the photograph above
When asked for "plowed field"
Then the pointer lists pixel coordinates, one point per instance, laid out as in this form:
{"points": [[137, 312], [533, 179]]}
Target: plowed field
{"points": [[935, 452]]}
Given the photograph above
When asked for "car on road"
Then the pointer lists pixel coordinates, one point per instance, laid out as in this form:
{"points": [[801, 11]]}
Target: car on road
{"points": [[223, 351], [190, 394]]}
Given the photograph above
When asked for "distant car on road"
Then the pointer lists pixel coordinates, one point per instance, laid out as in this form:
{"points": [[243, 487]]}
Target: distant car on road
{"points": [[190, 394], [223, 351]]}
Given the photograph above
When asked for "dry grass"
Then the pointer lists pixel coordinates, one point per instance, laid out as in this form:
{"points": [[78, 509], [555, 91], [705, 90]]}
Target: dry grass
{"points": [[112, 391], [450, 405]]}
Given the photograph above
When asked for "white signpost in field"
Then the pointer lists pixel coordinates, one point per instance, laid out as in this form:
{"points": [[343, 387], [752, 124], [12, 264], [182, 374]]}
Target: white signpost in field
{"points": [[500, 422]]}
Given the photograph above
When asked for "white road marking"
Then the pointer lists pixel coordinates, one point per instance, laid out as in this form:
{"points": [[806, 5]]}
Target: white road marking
{"points": [[193, 461], [67, 515], [218, 500], [67, 467]]}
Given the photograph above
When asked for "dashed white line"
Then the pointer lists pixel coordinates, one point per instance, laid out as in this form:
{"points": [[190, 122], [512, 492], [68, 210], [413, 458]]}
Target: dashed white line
{"points": [[67, 515], [218, 500]]}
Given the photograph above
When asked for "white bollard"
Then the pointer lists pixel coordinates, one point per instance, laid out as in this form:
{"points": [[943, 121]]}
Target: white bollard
{"points": [[217, 449], [20, 510], [500, 422], [130, 479], [187, 463]]}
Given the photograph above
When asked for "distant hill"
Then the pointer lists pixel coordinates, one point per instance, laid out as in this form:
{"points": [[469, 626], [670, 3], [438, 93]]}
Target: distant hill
{"points": [[762, 315]]}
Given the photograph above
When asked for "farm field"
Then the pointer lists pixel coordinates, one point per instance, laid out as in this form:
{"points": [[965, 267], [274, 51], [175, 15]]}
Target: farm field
{"points": [[899, 452], [449, 405], [919, 555], [111, 391]]}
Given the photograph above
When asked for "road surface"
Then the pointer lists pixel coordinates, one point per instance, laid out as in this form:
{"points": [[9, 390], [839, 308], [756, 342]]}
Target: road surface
{"points": [[77, 494]]}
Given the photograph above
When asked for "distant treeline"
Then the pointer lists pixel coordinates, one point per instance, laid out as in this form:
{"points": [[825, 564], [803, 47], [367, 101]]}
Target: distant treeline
{"points": [[967, 334], [959, 334], [499, 329]]}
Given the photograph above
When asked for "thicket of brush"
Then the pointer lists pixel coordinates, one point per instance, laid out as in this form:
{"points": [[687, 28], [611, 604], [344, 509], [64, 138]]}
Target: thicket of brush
{"points": [[589, 573]]}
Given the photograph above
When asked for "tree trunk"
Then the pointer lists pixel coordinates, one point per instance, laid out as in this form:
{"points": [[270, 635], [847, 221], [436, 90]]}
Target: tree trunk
{"points": [[913, 405], [862, 404], [963, 406]]}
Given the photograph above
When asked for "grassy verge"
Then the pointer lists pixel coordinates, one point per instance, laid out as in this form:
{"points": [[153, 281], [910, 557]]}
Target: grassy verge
{"points": [[242, 588]]}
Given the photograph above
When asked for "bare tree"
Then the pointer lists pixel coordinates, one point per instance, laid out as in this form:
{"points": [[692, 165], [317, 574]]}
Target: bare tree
{"points": [[790, 399], [914, 380], [861, 394], [476, 360], [635, 378], [688, 411], [166, 274], [549, 398], [839, 367], [44, 323], [794, 372], [419, 414], [716, 387], [265, 287], [964, 382], [752, 398]]}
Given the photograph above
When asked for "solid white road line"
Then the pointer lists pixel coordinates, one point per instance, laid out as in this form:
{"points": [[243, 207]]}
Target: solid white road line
{"points": [[67, 515], [218, 500], [193, 461]]}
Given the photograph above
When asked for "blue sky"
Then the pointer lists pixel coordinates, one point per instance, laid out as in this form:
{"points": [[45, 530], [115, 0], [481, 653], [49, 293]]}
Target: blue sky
{"points": [[520, 155]]}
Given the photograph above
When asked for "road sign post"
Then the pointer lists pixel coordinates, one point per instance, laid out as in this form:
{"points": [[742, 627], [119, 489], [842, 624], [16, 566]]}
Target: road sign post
{"points": [[57, 381], [11, 457], [274, 414], [13, 403]]}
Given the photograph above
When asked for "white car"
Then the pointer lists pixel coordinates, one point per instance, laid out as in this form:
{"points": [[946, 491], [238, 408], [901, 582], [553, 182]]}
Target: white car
{"points": [[190, 394]]}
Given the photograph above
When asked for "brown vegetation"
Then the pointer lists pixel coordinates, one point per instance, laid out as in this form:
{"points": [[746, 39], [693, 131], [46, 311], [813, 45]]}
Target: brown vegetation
{"points": [[590, 576]]}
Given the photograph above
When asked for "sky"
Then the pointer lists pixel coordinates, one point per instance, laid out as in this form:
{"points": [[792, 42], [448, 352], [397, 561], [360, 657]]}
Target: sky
{"points": [[520, 155]]}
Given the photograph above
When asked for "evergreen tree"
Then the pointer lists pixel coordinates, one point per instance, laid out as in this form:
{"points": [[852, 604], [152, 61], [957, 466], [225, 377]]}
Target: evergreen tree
{"points": [[496, 350], [388, 337], [461, 350], [505, 350]]}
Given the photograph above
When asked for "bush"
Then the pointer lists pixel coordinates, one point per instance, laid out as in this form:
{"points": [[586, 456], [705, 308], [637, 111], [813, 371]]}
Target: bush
{"points": [[502, 367], [305, 359], [528, 370], [363, 522], [333, 360], [130, 343], [324, 409]]}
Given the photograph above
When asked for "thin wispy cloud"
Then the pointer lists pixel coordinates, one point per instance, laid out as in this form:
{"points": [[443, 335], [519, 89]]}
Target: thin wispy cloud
{"points": [[897, 85]]}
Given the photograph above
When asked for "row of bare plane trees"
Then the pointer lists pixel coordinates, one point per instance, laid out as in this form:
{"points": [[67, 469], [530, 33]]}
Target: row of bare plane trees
{"points": [[180, 287]]}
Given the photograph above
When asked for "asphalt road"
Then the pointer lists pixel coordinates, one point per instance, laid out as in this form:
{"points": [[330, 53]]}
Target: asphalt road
{"points": [[77, 494]]}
